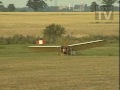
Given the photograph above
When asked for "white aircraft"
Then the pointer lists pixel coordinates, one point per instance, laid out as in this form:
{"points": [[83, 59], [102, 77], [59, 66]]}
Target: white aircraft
{"points": [[69, 49]]}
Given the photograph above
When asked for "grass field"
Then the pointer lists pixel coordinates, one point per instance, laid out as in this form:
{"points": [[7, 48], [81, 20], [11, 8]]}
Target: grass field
{"points": [[79, 24], [23, 50], [59, 73], [95, 69]]}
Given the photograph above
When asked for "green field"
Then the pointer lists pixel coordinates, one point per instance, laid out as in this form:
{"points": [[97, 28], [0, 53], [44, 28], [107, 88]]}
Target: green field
{"points": [[94, 69], [110, 49]]}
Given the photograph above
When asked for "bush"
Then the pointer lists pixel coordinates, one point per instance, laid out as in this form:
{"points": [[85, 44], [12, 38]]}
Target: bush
{"points": [[18, 39], [53, 32], [3, 40], [63, 40]]}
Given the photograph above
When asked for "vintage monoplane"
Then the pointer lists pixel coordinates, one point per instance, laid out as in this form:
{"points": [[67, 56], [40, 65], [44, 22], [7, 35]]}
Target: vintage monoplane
{"points": [[68, 49]]}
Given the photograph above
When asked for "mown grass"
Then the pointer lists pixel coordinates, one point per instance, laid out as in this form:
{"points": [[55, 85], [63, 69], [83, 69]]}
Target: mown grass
{"points": [[110, 49], [59, 73], [79, 24], [21, 69], [107, 50]]}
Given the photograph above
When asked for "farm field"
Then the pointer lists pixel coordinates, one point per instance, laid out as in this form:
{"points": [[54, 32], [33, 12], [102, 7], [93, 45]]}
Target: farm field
{"points": [[95, 69], [79, 23]]}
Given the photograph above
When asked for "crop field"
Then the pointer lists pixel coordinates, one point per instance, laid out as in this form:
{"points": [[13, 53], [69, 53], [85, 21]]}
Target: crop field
{"points": [[79, 23], [94, 69]]}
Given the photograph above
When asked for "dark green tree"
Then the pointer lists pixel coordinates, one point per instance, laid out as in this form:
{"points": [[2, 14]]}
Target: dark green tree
{"points": [[36, 4], [11, 7], [2, 8], [118, 1], [108, 4], [53, 32], [1, 4], [94, 7]]}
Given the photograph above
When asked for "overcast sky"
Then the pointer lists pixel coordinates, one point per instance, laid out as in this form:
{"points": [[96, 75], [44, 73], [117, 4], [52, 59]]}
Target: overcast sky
{"points": [[22, 3]]}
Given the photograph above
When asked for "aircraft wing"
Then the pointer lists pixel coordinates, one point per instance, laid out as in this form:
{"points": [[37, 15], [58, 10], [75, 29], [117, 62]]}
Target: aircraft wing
{"points": [[87, 45], [45, 48]]}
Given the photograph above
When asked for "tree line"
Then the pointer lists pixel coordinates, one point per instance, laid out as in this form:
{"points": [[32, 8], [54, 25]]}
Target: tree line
{"points": [[10, 7], [40, 5], [107, 5]]}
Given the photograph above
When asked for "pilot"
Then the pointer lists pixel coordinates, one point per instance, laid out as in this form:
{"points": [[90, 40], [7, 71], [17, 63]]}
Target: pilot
{"points": [[64, 49]]}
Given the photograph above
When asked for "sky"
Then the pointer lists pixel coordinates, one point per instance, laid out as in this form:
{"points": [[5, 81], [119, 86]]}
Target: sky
{"points": [[22, 3]]}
